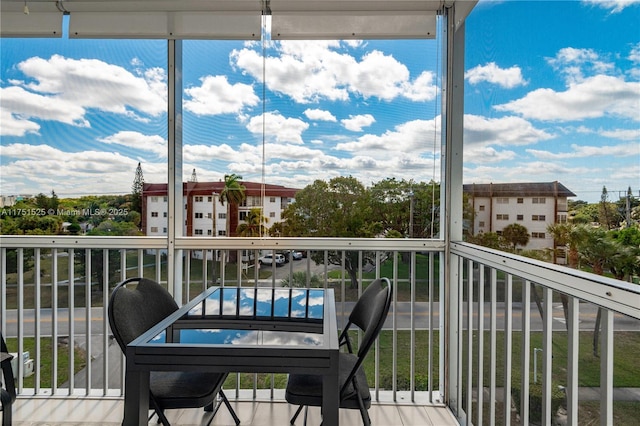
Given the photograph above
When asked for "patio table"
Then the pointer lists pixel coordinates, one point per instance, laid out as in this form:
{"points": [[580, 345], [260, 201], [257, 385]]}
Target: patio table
{"points": [[240, 329]]}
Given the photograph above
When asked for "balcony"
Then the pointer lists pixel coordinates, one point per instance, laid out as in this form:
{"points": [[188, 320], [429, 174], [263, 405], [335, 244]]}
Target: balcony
{"points": [[415, 382]]}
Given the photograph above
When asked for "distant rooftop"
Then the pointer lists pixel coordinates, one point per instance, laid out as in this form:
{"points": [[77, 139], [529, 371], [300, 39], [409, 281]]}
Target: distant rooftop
{"points": [[531, 189], [208, 188]]}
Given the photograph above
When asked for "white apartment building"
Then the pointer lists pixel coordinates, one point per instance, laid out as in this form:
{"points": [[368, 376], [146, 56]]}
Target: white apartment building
{"points": [[532, 205], [204, 214]]}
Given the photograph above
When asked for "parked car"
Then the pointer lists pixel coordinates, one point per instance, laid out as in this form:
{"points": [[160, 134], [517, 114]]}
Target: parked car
{"points": [[296, 255], [270, 259]]}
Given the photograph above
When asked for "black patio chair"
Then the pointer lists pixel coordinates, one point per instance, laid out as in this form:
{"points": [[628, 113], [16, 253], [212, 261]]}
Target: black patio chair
{"points": [[8, 389], [368, 314], [132, 311]]}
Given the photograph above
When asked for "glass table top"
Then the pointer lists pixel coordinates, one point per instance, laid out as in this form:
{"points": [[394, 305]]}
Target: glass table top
{"points": [[233, 316]]}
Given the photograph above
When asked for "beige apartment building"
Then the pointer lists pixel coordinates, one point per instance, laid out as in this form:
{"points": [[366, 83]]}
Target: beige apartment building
{"points": [[532, 205]]}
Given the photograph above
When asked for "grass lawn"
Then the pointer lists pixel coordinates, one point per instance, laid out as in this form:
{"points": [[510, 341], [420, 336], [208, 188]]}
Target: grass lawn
{"points": [[46, 356]]}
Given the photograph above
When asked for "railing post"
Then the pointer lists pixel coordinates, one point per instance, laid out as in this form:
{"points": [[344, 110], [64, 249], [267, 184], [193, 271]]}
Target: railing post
{"points": [[606, 368]]}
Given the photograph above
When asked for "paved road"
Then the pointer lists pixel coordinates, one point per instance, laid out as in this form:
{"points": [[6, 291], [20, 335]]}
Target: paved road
{"points": [[401, 313]]}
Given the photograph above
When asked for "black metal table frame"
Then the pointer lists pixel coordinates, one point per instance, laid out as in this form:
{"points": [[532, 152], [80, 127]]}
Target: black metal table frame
{"points": [[143, 357]]}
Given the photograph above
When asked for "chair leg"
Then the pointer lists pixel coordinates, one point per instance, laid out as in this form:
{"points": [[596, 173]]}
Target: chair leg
{"points": [[229, 407], [295, 416]]}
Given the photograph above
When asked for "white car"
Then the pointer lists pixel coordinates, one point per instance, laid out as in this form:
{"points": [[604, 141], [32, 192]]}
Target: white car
{"points": [[269, 259]]}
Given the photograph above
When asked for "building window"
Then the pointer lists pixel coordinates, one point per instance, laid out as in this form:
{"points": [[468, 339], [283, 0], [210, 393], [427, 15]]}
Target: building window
{"points": [[154, 229], [164, 230], [198, 199], [243, 215], [538, 235], [502, 217], [165, 214], [272, 199], [209, 199], [165, 198], [222, 233], [197, 232], [562, 218], [272, 214], [222, 215], [481, 224], [502, 200], [198, 215], [154, 199], [154, 214], [499, 232], [481, 208], [538, 217], [520, 217], [520, 200], [209, 233], [539, 200], [209, 215]]}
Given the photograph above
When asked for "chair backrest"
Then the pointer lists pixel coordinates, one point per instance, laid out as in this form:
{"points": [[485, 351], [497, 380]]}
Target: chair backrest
{"points": [[132, 311], [371, 313], [9, 387], [374, 313]]}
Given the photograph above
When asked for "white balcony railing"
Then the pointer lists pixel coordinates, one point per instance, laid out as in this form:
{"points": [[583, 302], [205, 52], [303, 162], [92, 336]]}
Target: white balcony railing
{"points": [[466, 336]]}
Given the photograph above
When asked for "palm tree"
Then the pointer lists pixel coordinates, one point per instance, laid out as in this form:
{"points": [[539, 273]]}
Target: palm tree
{"points": [[232, 194], [253, 225]]}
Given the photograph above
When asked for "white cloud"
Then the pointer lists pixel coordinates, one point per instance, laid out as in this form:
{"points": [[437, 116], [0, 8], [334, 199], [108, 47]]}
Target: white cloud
{"points": [[355, 123], [92, 83], [578, 64], [319, 115], [64, 90], [217, 96], [492, 73], [413, 137], [277, 127], [23, 106], [152, 143], [310, 71], [505, 131], [594, 97], [615, 6], [15, 126], [581, 151], [41, 168]]}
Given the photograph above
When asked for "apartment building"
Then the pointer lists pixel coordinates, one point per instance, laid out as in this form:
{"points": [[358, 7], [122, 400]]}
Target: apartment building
{"points": [[532, 205], [204, 214]]}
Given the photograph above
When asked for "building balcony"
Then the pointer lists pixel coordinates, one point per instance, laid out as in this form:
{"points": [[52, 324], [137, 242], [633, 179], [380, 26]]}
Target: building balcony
{"points": [[468, 329]]}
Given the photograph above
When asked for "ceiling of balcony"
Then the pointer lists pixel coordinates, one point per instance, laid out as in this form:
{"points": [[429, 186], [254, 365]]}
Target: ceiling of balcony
{"points": [[227, 19]]}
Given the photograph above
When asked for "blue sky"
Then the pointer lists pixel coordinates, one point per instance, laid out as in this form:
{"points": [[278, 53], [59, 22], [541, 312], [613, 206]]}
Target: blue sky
{"points": [[552, 92]]}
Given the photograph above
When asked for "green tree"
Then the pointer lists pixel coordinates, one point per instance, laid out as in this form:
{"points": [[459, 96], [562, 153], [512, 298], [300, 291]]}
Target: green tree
{"points": [[232, 194], [489, 239], [254, 224], [608, 216], [338, 208], [136, 190], [516, 235]]}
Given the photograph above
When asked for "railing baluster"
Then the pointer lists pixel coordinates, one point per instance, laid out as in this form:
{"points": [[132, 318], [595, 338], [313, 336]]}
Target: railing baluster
{"points": [[525, 351], [71, 314], [480, 349], [87, 298], [572, 362], [492, 344], [508, 345], [469, 372], [54, 320], [37, 318], [547, 352], [412, 322], [105, 322], [606, 367], [20, 294]]}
